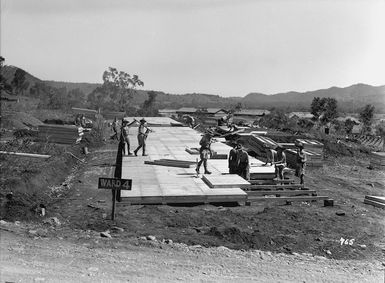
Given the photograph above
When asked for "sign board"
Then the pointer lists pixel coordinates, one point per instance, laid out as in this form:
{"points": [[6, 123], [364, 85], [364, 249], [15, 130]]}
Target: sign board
{"points": [[115, 184]]}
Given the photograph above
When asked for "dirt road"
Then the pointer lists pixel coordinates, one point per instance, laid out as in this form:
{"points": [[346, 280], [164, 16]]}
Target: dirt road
{"points": [[36, 259]]}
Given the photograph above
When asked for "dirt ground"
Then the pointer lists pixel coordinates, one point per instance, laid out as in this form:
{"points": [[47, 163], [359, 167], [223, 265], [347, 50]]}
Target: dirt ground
{"points": [[273, 242]]}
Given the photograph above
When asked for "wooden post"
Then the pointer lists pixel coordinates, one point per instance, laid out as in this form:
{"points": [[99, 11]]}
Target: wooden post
{"points": [[117, 174]]}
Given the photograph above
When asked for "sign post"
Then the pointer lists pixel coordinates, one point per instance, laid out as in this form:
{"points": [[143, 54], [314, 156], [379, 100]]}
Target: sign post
{"points": [[114, 184]]}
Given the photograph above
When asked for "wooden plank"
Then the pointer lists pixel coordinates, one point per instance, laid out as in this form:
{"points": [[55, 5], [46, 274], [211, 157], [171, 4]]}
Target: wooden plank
{"points": [[282, 193], [170, 164], [301, 198], [225, 181], [374, 203], [278, 186], [376, 198], [25, 154]]}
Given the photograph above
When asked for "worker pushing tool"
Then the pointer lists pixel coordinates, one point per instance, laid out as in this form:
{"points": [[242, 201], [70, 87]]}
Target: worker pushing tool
{"points": [[143, 132]]}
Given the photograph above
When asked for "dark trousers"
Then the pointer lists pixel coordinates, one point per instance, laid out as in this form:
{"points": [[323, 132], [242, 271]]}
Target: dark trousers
{"points": [[142, 143]]}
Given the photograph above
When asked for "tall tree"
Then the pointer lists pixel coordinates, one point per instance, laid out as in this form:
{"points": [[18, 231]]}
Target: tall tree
{"points": [[324, 109], [18, 82], [366, 117]]}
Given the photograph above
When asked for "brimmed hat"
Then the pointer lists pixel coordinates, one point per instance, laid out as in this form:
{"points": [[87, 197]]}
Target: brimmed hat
{"points": [[142, 120]]}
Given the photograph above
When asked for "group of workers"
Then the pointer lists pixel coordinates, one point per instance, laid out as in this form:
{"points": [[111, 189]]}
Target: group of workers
{"points": [[80, 120], [143, 132], [238, 159]]}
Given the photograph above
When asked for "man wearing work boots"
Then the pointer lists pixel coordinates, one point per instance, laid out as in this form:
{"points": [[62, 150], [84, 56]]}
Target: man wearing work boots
{"points": [[204, 151], [301, 162], [125, 132], [243, 164], [142, 136]]}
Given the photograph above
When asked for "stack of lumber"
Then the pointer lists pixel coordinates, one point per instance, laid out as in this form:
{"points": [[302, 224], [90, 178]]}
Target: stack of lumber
{"points": [[281, 192], [312, 145], [89, 113], [172, 163], [376, 201], [371, 141], [377, 160], [65, 134], [108, 115], [225, 181], [314, 159], [256, 143], [212, 121]]}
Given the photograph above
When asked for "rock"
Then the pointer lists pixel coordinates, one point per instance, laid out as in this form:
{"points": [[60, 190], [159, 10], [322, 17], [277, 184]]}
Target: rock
{"points": [[32, 232], [223, 248], [168, 241], [362, 246], [17, 223], [118, 229], [340, 213], [105, 234], [295, 254], [3, 222], [328, 252], [151, 238], [53, 221], [143, 238]]}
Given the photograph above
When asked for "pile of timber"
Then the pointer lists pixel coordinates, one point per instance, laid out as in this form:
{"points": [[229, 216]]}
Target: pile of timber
{"points": [[286, 192], [108, 115], [64, 134], [312, 145], [172, 163], [377, 160], [256, 143], [371, 141], [314, 159], [376, 201], [89, 113]]}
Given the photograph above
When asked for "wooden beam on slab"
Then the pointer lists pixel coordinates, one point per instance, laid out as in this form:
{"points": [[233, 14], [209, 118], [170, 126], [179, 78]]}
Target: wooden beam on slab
{"points": [[282, 193], [288, 199], [25, 154]]}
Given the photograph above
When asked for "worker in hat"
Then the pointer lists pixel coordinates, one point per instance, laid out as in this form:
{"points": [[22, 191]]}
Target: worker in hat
{"points": [[243, 164], [233, 157], [114, 127], [143, 132], [301, 162], [280, 164], [125, 134], [271, 154], [205, 152]]}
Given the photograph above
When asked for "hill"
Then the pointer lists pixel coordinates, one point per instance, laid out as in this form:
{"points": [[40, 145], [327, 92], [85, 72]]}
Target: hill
{"points": [[350, 99]]}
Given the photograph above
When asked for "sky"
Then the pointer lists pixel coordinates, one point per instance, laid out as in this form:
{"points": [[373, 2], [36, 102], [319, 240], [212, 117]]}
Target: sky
{"points": [[222, 47]]}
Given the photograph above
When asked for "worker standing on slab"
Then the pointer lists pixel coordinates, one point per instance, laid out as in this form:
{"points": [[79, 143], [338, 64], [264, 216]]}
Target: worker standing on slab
{"points": [[143, 132], [205, 152], [280, 164], [243, 164], [114, 126], [271, 155], [125, 134], [301, 162], [233, 158]]}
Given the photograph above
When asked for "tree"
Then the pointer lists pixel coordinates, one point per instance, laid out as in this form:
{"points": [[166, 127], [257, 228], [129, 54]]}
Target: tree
{"points": [[148, 107], [349, 124], [366, 117], [237, 107], [324, 109], [116, 91], [19, 83]]}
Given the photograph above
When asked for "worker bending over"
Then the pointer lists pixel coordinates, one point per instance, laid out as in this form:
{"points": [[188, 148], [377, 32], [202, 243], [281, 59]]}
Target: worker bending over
{"points": [[280, 164], [271, 155]]}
